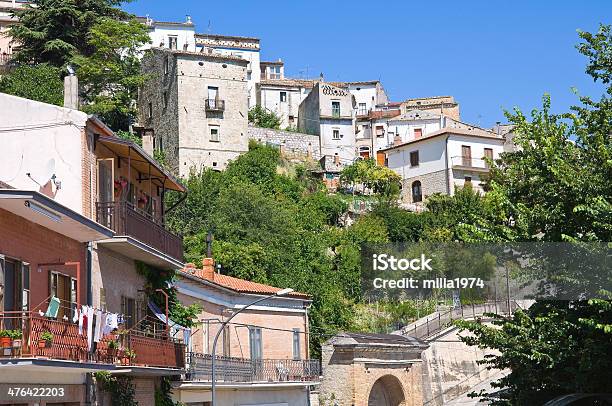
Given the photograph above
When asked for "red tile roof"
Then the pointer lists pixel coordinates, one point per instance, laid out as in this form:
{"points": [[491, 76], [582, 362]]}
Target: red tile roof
{"points": [[237, 284]]}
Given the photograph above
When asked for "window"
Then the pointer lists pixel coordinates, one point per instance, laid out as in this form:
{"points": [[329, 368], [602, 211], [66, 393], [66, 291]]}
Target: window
{"points": [[63, 287], [335, 109], [214, 133], [283, 97], [380, 131], [150, 111], [274, 72], [335, 134], [213, 92], [488, 155], [172, 41], [255, 344], [167, 65], [362, 111], [296, 344], [466, 155], [165, 98], [417, 195], [128, 308], [15, 284], [414, 158], [418, 133], [248, 75]]}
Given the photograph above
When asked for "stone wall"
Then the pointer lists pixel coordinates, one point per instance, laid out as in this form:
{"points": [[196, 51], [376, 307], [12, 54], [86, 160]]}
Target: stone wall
{"points": [[435, 182], [291, 144]]}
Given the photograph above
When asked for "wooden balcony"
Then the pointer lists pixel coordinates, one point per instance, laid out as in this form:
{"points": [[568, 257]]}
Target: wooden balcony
{"points": [[470, 164], [127, 220], [230, 369], [215, 105], [68, 345]]}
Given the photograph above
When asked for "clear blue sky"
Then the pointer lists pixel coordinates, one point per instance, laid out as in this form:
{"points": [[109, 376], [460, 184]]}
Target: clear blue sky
{"points": [[490, 55]]}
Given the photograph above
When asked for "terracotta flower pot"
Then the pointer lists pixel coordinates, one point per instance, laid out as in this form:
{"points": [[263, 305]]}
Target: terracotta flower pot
{"points": [[6, 342]]}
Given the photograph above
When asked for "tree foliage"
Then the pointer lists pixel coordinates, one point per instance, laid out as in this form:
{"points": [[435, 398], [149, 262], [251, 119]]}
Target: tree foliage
{"points": [[261, 117], [41, 82]]}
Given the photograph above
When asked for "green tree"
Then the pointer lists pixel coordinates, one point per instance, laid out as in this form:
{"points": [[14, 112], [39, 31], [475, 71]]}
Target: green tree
{"points": [[41, 82], [380, 179], [55, 31], [557, 187], [261, 117]]}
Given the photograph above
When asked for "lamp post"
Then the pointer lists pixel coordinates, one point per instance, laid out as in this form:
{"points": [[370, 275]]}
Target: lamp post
{"points": [[282, 292]]}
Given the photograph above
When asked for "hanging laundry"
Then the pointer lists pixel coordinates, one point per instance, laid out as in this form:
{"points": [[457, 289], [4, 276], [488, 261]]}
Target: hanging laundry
{"points": [[98, 329], [111, 323], [102, 325], [90, 315], [75, 317], [53, 309], [82, 318]]}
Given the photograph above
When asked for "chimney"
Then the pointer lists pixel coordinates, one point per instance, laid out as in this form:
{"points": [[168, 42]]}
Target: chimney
{"points": [[208, 269], [397, 140], [337, 159], [71, 90], [321, 77]]}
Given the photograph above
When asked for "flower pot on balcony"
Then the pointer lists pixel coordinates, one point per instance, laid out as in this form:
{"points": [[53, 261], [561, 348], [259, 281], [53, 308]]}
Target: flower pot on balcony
{"points": [[17, 343], [6, 342], [44, 343]]}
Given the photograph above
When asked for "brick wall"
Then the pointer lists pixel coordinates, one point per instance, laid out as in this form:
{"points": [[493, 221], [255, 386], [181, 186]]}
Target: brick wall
{"points": [[292, 144], [29, 242]]}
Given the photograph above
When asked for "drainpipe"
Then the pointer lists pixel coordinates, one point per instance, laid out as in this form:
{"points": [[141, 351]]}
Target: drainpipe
{"points": [[89, 384], [446, 160]]}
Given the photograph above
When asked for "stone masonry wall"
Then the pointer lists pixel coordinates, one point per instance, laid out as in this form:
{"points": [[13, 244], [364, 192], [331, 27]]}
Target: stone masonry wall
{"points": [[290, 143], [435, 182]]}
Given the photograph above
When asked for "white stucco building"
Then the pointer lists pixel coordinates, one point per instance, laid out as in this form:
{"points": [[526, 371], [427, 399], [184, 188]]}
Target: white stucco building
{"points": [[329, 112], [170, 34], [443, 160]]}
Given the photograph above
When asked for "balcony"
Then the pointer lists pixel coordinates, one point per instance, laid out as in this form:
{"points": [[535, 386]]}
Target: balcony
{"points": [[127, 220], [470, 164], [215, 105], [242, 370], [149, 349]]}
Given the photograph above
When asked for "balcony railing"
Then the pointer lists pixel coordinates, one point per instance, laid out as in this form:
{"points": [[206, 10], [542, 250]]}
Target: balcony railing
{"points": [[215, 105], [229, 369], [126, 220], [468, 162], [67, 344]]}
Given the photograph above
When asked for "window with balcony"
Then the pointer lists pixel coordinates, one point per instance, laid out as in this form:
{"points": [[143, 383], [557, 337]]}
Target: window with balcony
{"points": [[63, 287], [283, 97], [466, 155], [335, 134], [255, 343], [172, 42], [414, 158], [15, 285], [335, 105], [214, 134]]}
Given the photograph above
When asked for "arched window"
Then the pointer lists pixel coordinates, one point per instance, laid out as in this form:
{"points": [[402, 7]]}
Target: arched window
{"points": [[417, 194]]}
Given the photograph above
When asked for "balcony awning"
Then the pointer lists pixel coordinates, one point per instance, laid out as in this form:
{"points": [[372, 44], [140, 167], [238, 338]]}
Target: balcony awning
{"points": [[141, 161], [42, 210]]}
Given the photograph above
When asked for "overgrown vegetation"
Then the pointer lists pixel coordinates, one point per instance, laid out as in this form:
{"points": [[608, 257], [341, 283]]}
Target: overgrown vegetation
{"points": [[120, 387], [41, 82], [261, 117]]}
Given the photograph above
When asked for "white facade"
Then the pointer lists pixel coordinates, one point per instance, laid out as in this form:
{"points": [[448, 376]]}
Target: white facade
{"points": [[171, 35], [445, 160], [283, 98], [42, 140], [367, 95]]}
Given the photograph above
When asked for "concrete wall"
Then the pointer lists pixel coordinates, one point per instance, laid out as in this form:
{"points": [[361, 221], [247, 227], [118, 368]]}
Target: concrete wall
{"points": [[450, 368], [308, 114], [42, 140], [291, 144]]}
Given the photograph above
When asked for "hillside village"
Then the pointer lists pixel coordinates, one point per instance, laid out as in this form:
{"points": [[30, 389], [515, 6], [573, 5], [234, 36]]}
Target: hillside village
{"points": [[201, 241]]}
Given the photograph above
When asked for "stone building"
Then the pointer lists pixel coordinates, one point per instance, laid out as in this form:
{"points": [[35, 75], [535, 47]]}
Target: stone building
{"points": [[361, 369], [328, 111], [443, 105], [194, 108]]}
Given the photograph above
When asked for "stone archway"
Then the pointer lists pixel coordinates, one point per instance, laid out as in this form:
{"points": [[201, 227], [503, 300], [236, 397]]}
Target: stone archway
{"points": [[386, 391]]}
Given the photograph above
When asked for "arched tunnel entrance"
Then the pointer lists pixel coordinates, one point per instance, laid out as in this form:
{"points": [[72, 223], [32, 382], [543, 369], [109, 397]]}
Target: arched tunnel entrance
{"points": [[386, 391]]}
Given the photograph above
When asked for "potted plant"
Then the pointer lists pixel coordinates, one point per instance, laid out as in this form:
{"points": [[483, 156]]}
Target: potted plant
{"points": [[5, 342], [113, 346], [17, 338], [46, 339], [128, 356]]}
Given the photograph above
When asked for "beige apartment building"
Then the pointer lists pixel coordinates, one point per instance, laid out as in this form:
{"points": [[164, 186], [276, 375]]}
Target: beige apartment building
{"points": [[194, 108], [262, 355]]}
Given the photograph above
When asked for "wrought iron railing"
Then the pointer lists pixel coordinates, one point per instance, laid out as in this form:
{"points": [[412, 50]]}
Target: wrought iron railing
{"points": [[123, 218], [67, 343], [215, 105], [436, 323], [230, 369]]}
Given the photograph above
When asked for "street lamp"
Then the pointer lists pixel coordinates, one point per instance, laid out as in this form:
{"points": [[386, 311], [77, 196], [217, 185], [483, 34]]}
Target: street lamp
{"points": [[282, 292]]}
